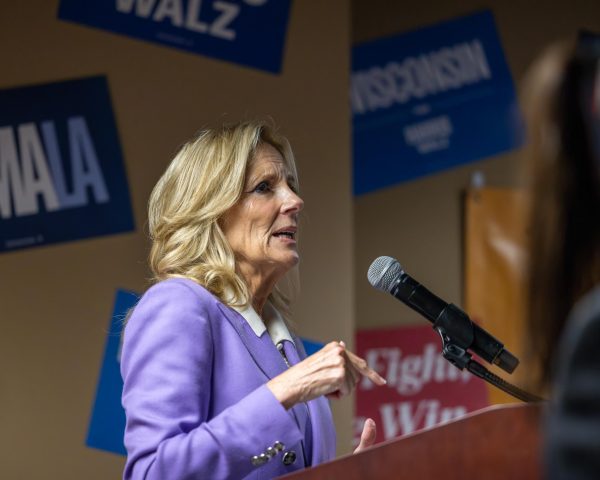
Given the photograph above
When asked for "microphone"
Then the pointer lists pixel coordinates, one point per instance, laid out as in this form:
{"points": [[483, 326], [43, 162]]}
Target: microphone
{"points": [[386, 274]]}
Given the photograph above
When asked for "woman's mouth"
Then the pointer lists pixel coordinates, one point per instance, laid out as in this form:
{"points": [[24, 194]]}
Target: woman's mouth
{"points": [[286, 233]]}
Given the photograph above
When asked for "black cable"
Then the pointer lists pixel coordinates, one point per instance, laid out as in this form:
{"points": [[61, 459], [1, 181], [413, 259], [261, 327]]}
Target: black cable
{"points": [[480, 371]]}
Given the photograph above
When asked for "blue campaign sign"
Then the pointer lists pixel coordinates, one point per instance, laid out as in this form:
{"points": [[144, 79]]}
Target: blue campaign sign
{"points": [[107, 424], [247, 32], [430, 99], [310, 346], [61, 171]]}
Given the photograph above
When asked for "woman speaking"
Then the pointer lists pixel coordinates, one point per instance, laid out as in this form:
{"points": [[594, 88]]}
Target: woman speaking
{"points": [[215, 384]]}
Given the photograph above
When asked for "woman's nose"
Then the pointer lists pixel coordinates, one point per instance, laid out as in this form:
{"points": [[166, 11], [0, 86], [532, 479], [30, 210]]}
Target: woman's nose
{"points": [[292, 202]]}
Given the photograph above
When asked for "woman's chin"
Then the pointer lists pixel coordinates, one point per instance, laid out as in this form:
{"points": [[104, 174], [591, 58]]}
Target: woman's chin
{"points": [[289, 261]]}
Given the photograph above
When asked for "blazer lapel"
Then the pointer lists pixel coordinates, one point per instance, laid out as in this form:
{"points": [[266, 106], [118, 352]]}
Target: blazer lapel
{"points": [[264, 353], [271, 363]]}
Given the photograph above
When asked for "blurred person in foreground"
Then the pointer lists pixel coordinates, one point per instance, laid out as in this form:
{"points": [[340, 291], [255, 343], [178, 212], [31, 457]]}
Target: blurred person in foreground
{"points": [[215, 384], [562, 97]]}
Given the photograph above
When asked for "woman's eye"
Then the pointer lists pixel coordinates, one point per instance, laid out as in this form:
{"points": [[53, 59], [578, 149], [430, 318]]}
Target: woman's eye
{"points": [[262, 187]]}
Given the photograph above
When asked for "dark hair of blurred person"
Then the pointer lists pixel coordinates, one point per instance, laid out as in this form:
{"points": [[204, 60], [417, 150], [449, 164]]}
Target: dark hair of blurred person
{"points": [[564, 248], [562, 100]]}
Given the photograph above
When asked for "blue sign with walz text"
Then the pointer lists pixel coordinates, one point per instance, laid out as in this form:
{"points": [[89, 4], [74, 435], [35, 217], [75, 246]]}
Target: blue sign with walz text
{"points": [[430, 99], [61, 172], [247, 32]]}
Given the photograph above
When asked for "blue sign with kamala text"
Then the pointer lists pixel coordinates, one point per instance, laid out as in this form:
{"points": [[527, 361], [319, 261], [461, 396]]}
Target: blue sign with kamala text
{"points": [[247, 32], [61, 171], [430, 99]]}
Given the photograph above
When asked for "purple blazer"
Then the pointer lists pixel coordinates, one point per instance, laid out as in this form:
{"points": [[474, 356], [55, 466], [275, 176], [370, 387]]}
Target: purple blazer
{"points": [[195, 393]]}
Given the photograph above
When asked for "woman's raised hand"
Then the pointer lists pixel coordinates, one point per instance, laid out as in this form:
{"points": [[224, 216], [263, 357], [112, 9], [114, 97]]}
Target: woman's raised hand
{"points": [[332, 371]]}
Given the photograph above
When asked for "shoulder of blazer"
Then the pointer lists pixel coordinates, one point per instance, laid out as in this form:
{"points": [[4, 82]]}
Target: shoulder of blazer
{"points": [[179, 286]]}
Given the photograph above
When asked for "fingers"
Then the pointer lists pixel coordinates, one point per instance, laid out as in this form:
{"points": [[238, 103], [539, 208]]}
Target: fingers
{"points": [[361, 366], [354, 367], [333, 371], [369, 433]]}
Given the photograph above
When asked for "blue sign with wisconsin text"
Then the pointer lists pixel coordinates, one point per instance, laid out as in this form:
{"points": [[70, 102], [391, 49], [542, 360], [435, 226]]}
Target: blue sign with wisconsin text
{"points": [[430, 99], [247, 32], [61, 171]]}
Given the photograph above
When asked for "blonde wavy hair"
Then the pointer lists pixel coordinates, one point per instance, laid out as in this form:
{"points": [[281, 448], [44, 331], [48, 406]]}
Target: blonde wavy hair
{"points": [[204, 180]]}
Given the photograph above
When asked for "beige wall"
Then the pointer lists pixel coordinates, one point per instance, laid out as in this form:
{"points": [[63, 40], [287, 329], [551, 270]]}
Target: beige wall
{"points": [[420, 222], [55, 301]]}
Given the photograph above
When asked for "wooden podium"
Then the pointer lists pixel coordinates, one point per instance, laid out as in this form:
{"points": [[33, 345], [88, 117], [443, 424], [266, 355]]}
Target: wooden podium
{"points": [[498, 442]]}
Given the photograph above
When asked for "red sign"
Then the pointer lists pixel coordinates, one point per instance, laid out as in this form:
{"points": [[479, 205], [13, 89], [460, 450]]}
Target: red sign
{"points": [[423, 389]]}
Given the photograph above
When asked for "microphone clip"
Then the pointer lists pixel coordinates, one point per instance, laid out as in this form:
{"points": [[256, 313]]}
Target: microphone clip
{"points": [[456, 355]]}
